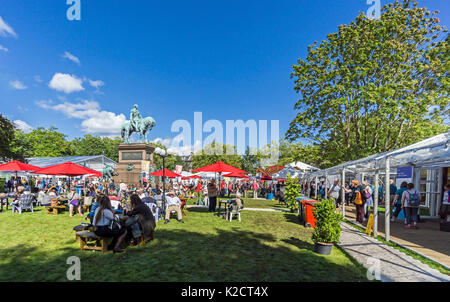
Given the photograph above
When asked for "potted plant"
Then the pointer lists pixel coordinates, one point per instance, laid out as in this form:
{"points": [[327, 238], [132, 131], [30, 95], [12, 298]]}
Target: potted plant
{"points": [[328, 226], [293, 190]]}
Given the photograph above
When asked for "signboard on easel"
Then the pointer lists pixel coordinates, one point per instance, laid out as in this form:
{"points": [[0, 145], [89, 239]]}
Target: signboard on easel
{"points": [[404, 174], [369, 227]]}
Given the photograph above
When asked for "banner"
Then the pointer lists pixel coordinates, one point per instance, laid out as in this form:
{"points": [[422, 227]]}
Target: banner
{"points": [[178, 169]]}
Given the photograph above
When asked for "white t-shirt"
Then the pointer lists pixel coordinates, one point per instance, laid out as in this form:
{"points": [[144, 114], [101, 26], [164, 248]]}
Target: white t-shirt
{"points": [[335, 191]]}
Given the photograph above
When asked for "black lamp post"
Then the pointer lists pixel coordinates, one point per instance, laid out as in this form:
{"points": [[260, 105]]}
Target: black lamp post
{"points": [[163, 154]]}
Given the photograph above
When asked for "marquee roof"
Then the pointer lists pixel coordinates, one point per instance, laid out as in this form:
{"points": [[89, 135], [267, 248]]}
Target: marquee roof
{"points": [[434, 151], [43, 162]]}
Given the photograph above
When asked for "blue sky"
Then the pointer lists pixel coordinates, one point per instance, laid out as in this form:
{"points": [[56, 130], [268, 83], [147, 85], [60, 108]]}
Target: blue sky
{"points": [[228, 59]]}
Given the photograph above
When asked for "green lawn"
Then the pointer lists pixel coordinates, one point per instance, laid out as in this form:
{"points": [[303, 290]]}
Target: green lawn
{"points": [[252, 203], [265, 246]]}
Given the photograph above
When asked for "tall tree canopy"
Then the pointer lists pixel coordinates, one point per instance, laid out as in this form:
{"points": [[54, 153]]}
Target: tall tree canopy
{"points": [[209, 155], [7, 136], [97, 145], [375, 85]]}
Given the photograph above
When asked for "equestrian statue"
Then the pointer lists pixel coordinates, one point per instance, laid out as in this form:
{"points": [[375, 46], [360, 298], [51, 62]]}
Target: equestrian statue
{"points": [[137, 124], [108, 173]]}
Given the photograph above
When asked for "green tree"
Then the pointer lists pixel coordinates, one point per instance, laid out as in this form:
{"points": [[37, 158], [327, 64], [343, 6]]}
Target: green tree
{"points": [[49, 143], [372, 86], [7, 135], [211, 154], [96, 145], [172, 160], [293, 152], [250, 162], [21, 147]]}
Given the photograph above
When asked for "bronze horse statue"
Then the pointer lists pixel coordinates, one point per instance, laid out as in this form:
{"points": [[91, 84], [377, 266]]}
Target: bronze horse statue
{"points": [[144, 125]]}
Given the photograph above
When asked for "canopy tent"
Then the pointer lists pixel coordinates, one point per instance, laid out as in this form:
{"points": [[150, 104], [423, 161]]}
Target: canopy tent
{"points": [[235, 175], [167, 173], [293, 172], [67, 169], [302, 166], [94, 162], [219, 167], [434, 151], [17, 166], [431, 153]]}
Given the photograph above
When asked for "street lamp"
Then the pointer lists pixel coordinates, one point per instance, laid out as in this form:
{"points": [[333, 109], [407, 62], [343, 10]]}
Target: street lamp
{"points": [[163, 154]]}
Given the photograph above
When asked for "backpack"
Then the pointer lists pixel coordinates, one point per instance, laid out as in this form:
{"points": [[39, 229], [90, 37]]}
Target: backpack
{"points": [[358, 199], [414, 200]]}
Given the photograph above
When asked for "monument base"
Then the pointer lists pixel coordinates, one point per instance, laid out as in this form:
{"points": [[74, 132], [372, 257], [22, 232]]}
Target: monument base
{"points": [[133, 160]]}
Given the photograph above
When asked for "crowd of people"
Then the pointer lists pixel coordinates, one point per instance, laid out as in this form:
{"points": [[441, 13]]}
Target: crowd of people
{"points": [[362, 195]]}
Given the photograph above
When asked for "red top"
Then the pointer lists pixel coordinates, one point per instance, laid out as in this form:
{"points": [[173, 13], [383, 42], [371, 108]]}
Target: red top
{"points": [[199, 187]]}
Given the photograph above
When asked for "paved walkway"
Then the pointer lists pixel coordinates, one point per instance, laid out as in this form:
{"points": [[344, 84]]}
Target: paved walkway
{"points": [[395, 266], [245, 209], [427, 240]]}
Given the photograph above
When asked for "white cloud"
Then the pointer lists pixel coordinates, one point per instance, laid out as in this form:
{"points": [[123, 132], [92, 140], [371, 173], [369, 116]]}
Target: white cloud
{"points": [[23, 126], [95, 121], [97, 84], [6, 30], [2, 48], [71, 57], [17, 85], [173, 145], [65, 82]]}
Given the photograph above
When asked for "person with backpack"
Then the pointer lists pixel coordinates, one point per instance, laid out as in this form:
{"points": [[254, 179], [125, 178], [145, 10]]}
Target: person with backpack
{"points": [[398, 200], [358, 199], [368, 194], [411, 204]]}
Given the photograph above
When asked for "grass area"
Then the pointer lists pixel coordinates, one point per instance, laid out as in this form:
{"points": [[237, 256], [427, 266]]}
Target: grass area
{"points": [[264, 246], [251, 203], [408, 252]]}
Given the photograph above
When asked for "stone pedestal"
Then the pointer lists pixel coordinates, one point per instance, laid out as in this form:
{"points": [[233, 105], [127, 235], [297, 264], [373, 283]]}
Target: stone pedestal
{"points": [[133, 159]]}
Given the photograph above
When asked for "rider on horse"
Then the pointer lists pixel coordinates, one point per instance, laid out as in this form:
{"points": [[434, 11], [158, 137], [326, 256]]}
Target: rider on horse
{"points": [[135, 119]]}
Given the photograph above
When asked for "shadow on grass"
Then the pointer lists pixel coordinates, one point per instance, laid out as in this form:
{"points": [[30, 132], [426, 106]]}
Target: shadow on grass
{"points": [[180, 255], [292, 218]]}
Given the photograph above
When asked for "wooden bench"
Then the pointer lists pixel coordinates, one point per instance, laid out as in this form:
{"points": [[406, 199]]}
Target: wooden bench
{"points": [[90, 241], [55, 210]]}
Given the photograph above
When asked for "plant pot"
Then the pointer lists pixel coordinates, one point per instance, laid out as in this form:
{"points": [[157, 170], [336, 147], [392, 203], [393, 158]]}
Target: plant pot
{"points": [[323, 248]]}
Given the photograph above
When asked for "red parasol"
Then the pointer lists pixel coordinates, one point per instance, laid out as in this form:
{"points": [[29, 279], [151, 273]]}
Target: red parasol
{"points": [[17, 166], [196, 176], [68, 169], [219, 167], [167, 173], [266, 177], [98, 174], [235, 175]]}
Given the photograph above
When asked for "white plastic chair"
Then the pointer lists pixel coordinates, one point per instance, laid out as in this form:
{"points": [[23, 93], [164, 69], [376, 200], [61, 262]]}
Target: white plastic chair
{"points": [[235, 211]]}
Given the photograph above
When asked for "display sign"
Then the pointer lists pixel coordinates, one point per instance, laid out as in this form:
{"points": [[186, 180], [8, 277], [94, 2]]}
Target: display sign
{"points": [[178, 169], [131, 155], [404, 172]]}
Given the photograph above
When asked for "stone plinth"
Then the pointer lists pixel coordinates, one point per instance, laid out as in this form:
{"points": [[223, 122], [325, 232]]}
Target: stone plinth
{"points": [[133, 159]]}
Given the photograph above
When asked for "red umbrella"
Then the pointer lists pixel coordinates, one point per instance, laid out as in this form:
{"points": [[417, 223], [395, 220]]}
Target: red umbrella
{"points": [[219, 167], [17, 166], [68, 169], [167, 173], [266, 177], [235, 175], [195, 176], [98, 174]]}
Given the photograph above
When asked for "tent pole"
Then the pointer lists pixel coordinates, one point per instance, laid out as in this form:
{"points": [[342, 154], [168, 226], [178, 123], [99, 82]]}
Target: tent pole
{"points": [[316, 181], [375, 206], [343, 193], [387, 199], [326, 185]]}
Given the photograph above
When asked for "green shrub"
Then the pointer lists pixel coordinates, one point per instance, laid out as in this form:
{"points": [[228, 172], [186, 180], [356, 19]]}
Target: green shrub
{"points": [[328, 222], [293, 190]]}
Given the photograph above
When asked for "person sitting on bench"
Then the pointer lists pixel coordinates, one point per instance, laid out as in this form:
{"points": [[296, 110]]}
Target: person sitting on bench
{"points": [[173, 204], [105, 225], [141, 221]]}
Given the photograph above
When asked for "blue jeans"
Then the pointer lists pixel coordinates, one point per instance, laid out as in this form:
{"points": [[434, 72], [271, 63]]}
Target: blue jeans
{"points": [[411, 215]]}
